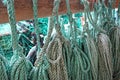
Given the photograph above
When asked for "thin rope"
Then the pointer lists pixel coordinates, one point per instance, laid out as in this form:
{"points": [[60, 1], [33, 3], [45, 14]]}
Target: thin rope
{"points": [[12, 20], [36, 26], [69, 13], [50, 29]]}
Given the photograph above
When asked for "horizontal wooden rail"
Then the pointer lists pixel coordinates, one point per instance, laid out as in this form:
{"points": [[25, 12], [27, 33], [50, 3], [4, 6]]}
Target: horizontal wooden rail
{"points": [[23, 8]]}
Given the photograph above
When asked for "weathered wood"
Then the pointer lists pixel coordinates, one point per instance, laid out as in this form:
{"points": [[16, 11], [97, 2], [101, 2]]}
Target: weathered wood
{"points": [[23, 9]]}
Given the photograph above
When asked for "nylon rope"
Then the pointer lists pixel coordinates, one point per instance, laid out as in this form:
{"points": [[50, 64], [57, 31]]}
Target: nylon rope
{"points": [[69, 13], [36, 26], [12, 21], [57, 28], [47, 40]]}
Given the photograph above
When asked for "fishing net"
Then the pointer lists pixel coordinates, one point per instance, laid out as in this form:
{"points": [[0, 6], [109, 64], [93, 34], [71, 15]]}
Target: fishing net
{"points": [[75, 54]]}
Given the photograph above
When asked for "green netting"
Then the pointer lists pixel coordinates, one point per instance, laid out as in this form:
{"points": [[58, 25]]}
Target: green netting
{"points": [[5, 40], [6, 46]]}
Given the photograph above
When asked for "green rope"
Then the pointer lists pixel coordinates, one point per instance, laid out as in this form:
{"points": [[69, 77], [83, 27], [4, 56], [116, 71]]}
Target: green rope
{"points": [[87, 9], [3, 68], [50, 29], [12, 20], [69, 13], [35, 10]]}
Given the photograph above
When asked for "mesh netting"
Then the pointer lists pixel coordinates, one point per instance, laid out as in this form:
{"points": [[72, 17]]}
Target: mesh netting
{"points": [[6, 46]]}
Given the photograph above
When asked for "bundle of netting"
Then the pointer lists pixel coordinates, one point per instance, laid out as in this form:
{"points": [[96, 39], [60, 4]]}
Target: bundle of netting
{"points": [[39, 71], [114, 35], [3, 68], [105, 66]]}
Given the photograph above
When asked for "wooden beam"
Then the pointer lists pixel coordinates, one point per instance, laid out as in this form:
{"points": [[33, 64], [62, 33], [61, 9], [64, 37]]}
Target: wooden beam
{"points": [[23, 9]]}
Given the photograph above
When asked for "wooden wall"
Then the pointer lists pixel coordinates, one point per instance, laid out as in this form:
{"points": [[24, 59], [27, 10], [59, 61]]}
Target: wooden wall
{"points": [[23, 9]]}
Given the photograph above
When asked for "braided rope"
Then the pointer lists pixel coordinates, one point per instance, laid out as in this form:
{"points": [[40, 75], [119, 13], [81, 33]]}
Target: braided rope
{"points": [[60, 53], [69, 13], [35, 10], [87, 10], [12, 20], [50, 28]]}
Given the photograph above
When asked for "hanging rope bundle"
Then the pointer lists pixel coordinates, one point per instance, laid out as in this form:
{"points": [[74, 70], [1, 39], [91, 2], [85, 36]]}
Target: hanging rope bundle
{"points": [[114, 35], [92, 53], [38, 72], [80, 64], [90, 50], [20, 67], [3, 68], [57, 70], [105, 57], [89, 46]]}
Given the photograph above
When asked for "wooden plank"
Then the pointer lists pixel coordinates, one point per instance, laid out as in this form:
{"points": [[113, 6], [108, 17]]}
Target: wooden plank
{"points": [[23, 9]]}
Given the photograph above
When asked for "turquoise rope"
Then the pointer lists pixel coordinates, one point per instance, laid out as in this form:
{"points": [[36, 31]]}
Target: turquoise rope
{"points": [[12, 21], [35, 10], [69, 13]]}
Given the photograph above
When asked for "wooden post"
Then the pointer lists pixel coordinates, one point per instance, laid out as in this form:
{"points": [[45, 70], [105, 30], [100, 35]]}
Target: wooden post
{"points": [[23, 9]]}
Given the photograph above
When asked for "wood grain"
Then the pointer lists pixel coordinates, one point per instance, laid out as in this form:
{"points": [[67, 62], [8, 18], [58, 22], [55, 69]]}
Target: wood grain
{"points": [[24, 11]]}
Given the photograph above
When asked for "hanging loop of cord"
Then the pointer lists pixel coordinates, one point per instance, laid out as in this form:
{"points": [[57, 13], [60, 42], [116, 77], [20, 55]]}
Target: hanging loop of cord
{"points": [[57, 28], [47, 40]]}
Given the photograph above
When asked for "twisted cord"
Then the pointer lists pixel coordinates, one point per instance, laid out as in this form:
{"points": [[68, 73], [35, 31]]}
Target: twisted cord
{"points": [[12, 21], [50, 29], [69, 13], [36, 26], [87, 10]]}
